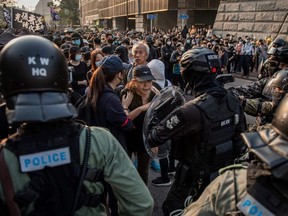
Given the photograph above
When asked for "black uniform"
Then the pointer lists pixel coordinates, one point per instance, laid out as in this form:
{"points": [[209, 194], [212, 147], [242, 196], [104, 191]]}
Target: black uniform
{"points": [[206, 130]]}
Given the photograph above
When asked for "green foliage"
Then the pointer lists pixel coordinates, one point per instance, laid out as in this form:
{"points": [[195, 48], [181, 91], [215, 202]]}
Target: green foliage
{"points": [[69, 12], [8, 3], [50, 4]]}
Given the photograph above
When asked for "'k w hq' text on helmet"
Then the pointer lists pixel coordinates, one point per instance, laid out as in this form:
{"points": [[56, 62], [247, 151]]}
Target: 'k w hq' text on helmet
{"points": [[34, 80]]}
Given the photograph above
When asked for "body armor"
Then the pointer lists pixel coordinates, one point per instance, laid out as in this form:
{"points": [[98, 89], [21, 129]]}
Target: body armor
{"points": [[52, 190], [214, 147]]}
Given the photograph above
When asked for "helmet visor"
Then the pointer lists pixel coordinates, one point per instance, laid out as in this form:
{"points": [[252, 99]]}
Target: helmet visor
{"points": [[272, 50], [272, 91]]}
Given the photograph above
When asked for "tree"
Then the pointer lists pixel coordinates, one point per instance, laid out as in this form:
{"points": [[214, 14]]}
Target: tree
{"points": [[69, 12], [8, 3]]}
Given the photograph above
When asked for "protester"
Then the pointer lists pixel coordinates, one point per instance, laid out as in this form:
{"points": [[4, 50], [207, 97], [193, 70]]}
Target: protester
{"points": [[141, 88]]}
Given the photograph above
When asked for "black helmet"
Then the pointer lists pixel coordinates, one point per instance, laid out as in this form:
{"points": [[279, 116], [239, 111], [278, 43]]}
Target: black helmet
{"points": [[281, 54], [199, 61], [271, 65], [32, 64], [279, 42], [34, 80], [277, 86], [280, 120]]}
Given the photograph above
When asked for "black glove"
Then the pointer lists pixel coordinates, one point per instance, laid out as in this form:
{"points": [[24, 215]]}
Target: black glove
{"points": [[152, 139]]}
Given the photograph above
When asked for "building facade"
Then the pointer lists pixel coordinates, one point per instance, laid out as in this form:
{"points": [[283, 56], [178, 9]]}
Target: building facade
{"points": [[137, 14], [257, 19], [43, 9]]}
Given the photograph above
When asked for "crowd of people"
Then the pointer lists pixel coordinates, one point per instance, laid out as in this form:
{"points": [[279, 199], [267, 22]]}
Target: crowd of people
{"points": [[108, 79]]}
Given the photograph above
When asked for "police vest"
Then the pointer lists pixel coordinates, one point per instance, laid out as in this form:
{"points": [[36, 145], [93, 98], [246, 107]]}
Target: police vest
{"points": [[220, 115], [49, 154], [267, 178], [266, 195]]}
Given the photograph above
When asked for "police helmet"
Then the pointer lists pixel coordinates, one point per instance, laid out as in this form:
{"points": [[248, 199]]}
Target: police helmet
{"points": [[279, 42], [281, 54], [271, 65], [277, 86], [34, 78], [199, 61]]}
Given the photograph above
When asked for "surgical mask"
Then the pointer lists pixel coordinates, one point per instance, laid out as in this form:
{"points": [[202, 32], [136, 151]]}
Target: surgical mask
{"points": [[97, 63], [168, 43], [188, 41], [102, 41], [182, 48], [78, 57], [76, 42]]}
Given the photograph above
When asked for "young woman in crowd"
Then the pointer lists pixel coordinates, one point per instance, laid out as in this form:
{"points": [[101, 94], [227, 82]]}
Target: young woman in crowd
{"points": [[79, 81], [141, 87], [107, 109], [96, 57]]}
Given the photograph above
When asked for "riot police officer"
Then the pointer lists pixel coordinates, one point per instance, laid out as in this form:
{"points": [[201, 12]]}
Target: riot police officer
{"points": [[277, 62], [263, 108], [206, 129], [54, 165], [273, 63], [259, 188]]}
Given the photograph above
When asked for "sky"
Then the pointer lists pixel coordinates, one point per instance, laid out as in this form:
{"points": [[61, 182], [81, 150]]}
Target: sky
{"points": [[30, 4]]}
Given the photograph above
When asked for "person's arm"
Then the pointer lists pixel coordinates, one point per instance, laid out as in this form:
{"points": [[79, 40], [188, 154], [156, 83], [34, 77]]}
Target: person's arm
{"points": [[251, 90], [136, 112], [173, 58], [186, 119], [257, 107], [117, 115], [134, 198]]}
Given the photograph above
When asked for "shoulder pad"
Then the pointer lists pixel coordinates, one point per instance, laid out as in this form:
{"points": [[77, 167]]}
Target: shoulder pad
{"points": [[206, 103], [231, 167], [233, 102]]}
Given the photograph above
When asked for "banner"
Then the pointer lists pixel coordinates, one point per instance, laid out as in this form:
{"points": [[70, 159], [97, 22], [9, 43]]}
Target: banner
{"points": [[32, 21]]}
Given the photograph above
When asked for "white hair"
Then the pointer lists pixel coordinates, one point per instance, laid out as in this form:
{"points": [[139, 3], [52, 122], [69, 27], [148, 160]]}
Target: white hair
{"points": [[141, 43]]}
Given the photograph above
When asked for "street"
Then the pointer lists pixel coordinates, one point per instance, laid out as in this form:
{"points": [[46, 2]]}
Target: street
{"points": [[159, 193]]}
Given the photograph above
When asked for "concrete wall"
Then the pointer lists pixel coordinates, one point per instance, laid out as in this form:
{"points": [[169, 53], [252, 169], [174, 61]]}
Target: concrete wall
{"points": [[258, 19]]}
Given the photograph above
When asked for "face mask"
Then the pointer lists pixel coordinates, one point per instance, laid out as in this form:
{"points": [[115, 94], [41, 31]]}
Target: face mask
{"points": [[110, 41], [78, 57], [182, 48], [102, 41], [97, 63], [188, 41], [76, 42]]}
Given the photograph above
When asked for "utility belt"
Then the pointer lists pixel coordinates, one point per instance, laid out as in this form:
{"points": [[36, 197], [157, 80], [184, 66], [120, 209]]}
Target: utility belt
{"points": [[32, 192], [192, 180]]}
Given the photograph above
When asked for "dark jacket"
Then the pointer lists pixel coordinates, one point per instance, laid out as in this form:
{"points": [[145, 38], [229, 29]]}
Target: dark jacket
{"points": [[166, 53], [110, 114], [135, 137]]}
